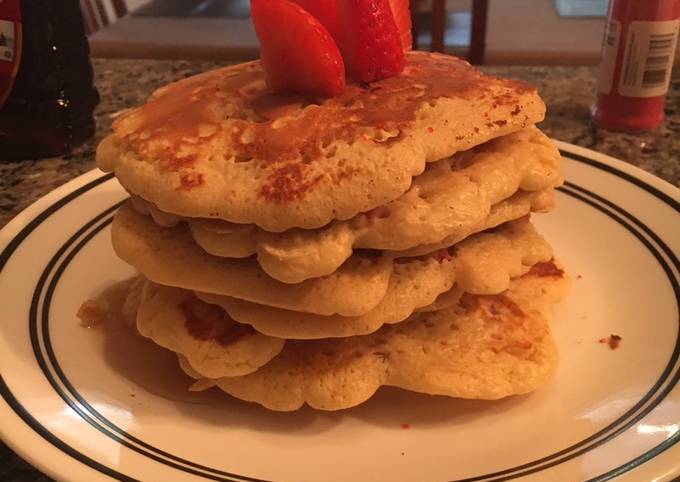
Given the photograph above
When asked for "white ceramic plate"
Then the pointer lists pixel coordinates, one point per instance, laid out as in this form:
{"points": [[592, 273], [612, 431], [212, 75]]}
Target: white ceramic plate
{"points": [[84, 404]]}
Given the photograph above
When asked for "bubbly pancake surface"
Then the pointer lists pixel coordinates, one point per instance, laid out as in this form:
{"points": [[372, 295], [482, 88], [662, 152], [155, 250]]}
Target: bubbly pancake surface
{"points": [[219, 145]]}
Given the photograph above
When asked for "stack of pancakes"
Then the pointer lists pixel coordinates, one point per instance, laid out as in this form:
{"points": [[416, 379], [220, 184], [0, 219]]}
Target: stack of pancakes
{"points": [[296, 250]]}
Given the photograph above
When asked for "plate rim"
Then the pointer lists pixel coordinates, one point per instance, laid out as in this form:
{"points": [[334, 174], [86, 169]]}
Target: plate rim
{"points": [[33, 216]]}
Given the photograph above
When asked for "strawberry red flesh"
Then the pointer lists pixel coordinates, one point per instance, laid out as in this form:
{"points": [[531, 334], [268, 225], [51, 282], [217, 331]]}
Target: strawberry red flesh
{"points": [[325, 11], [298, 53], [402, 17], [328, 13], [371, 44]]}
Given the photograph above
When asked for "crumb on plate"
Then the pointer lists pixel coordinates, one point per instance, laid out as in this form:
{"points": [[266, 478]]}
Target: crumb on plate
{"points": [[90, 313]]}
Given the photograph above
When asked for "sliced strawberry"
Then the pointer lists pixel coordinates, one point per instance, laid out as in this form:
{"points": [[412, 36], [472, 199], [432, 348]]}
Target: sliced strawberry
{"points": [[328, 13], [298, 54], [325, 11], [402, 17], [371, 42]]}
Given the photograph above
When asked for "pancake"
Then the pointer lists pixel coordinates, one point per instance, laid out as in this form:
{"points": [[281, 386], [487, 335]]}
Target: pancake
{"points": [[168, 256], [213, 345], [309, 255], [202, 327], [220, 145], [486, 347], [443, 301], [482, 264], [323, 254], [452, 199], [519, 206]]}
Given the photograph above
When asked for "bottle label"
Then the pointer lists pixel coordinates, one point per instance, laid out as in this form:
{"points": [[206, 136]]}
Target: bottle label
{"points": [[10, 46], [648, 58], [610, 47]]}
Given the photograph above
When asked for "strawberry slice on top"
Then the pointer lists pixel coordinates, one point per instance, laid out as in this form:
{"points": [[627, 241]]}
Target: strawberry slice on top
{"points": [[402, 17], [371, 42], [327, 12], [297, 52]]}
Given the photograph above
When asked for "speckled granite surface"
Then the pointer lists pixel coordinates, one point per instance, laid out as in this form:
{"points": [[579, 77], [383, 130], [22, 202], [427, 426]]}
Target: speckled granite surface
{"points": [[568, 92]]}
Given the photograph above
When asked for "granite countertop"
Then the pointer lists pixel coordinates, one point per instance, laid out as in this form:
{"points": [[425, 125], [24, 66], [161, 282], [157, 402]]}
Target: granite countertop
{"points": [[568, 92]]}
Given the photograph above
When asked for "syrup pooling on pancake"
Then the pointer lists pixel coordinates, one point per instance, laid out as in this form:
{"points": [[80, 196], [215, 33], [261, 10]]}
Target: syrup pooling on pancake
{"points": [[221, 146]]}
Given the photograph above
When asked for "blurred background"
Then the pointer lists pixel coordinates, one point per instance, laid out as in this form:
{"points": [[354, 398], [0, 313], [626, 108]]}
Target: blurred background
{"points": [[521, 32]]}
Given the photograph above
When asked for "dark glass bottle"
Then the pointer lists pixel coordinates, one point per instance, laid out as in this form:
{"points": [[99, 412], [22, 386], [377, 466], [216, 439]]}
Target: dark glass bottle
{"points": [[50, 99]]}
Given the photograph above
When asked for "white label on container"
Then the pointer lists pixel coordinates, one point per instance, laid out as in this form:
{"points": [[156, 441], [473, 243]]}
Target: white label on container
{"points": [[610, 48], [647, 62]]}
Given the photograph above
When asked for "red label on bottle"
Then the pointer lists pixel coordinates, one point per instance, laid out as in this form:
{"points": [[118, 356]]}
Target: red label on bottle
{"points": [[10, 46]]}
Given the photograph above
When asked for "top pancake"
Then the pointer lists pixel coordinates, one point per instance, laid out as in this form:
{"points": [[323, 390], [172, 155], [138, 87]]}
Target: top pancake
{"points": [[220, 145]]}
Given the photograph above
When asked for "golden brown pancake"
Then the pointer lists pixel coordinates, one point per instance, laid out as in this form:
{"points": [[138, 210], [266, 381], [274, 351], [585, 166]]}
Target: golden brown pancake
{"points": [[220, 145], [308, 251], [486, 347], [482, 264], [213, 344], [168, 256], [452, 199]]}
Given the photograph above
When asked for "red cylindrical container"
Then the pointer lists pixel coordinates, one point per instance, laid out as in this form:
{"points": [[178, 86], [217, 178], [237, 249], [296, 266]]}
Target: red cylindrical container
{"points": [[637, 58]]}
